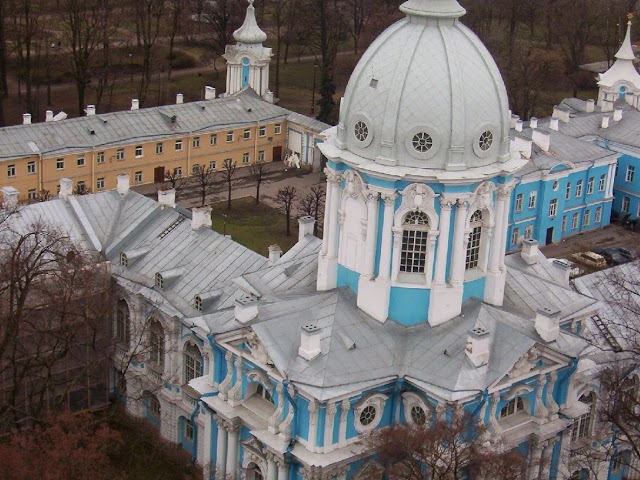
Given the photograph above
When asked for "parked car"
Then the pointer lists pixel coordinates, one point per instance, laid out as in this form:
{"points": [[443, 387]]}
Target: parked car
{"points": [[615, 255]]}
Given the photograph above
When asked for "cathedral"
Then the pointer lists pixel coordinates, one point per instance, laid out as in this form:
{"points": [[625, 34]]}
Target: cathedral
{"points": [[406, 311]]}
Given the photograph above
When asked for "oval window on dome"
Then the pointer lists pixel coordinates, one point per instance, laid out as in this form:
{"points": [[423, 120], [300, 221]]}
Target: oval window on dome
{"points": [[361, 131], [486, 140], [422, 142]]}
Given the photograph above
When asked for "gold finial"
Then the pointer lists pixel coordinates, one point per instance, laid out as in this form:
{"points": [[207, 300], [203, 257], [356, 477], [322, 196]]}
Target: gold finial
{"points": [[630, 16]]}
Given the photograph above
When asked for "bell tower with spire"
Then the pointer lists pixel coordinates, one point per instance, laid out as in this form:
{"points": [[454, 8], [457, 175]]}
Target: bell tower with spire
{"points": [[248, 60]]}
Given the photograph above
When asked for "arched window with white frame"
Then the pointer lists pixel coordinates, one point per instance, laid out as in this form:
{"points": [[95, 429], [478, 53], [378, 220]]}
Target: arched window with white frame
{"points": [[156, 345], [123, 323], [415, 232], [475, 236], [192, 362]]}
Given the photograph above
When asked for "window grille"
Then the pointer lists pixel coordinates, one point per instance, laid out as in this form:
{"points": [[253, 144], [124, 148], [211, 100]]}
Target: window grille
{"points": [[192, 363], [473, 247], [413, 255], [582, 425], [514, 406]]}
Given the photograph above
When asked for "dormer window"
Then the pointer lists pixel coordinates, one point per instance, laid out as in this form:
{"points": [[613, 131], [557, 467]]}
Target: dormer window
{"points": [[261, 391], [159, 280], [197, 302], [512, 407], [124, 262]]}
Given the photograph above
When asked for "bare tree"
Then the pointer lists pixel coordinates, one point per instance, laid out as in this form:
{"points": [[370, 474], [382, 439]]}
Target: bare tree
{"points": [[205, 179], [360, 12], [280, 12], [176, 8], [285, 198], [228, 172], [54, 326], [443, 450], [148, 16], [258, 171], [223, 16], [313, 205], [175, 179]]}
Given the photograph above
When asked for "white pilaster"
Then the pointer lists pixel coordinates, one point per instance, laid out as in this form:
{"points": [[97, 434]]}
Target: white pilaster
{"points": [[313, 426], [232, 452], [459, 247], [345, 406], [283, 470], [505, 224], [328, 261], [385, 251], [495, 280], [272, 469], [443, 241], [535, 459], [221, 451], [330, 418], [205, 455], [396, 251], [372, 231]]}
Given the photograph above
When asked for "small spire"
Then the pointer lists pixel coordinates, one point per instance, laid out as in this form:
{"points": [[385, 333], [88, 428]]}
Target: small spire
{"points": [[250, 32], [626, 52], [433, 8]]}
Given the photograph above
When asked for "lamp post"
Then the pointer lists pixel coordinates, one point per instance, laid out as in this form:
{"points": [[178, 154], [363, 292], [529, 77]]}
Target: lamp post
{"points": [[313, 91]]}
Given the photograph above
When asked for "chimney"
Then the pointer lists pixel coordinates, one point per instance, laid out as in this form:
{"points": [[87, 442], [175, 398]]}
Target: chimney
{"points": [[514, 120], [167, 197], [522, 145], [529, 251], [547, 323], [565, 268], [519, 124], [9, 199], [123, 183], [209, 93], [305, 226], [617, 114], [533, 122], [275, 252], [91, 110], [135, 104], [553, 124], [26, 119], [605, 122], [561, 113], [200, 217], [541, 139], [66, 188], [269, 96], [48, 116], [478, 346], [246, 308], [309, 342], [591, 106], [607, 106], [179, 98]]}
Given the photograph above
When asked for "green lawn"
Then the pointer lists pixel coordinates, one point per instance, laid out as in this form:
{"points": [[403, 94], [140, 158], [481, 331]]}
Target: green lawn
{"points": [[254, 226]]}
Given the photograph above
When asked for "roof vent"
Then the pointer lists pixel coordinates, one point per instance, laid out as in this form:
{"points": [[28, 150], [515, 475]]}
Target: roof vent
{"points": [[246, 308], [554, 124], [209, 93], [275, 252], [123, 183], [373, 83], [179, 98], [48, 116], [519, 124], [478, 346], [547, 323], [305, 226], [167, 197], [541, 139], [533, 122], [605, 122], [59, 116], [26, 119], [91, 110], [590, 106], [514, 120], [135, 104], [309, 342], [617, 114], [529, 251]]}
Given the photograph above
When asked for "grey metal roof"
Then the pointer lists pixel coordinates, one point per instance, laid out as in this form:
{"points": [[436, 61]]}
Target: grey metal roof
{"points": [[308, 122], [146, 124]]}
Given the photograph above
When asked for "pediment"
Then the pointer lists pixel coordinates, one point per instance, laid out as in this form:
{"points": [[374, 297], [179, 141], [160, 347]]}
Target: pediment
{"points": [[257, 349], [537, 360]]}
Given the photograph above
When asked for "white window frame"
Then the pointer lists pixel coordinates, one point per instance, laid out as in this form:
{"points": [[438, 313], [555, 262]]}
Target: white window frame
{"points": [[586, 220], [177, 171], [138, 151], [567, 193], [519, 200], [472, 253], [414, 248], [120, 154], [246, 134], [100, 158], [532, 199], [628, 177], [277, 129], [582, 425], [245, 158], [602, 183], [100, 183], [80, 162], [31, 168], [11, 171], [553, 207], [192, 363], [179, 145], [515, 233], [156, 345], [229, 137], [60, 164], [32, 194], [626, 204], [513, 407], [212, 165], [579, 188], [261, 156], [590, 185], [377, 401], [196, 142], [262, 131], [575, 219], [159, 148], [137, 176], [564, 224], [597, 218], [213, 139], [528, 232]]}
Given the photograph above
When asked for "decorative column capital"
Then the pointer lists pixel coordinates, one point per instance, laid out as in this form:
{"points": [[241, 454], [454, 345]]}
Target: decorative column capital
{"points": [[313, 406], [389, 198], [372, 196], [446, 203], [462, 203], [345, 405], [332, 176], [332, 409]]}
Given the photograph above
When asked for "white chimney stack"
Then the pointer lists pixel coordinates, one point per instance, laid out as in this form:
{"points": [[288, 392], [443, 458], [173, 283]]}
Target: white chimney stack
{"points": [[554, 124], [123, 183], [305, 226], [514, 120], [200, 217], [179, 98], [26, 119], [591, 106], [209, 93], [617, 115], [541, 139], [48, 116], [519, 124], [246, 308], [478, 346], [547, 323], [9, 199], [561, 113], [167, 197], [309, 342], [529, 251], [533, 122], [605, 122], [607, 106], [135, 104], [565, 268], [91, 110], [66, 188], [275, 252], [269, 96]]}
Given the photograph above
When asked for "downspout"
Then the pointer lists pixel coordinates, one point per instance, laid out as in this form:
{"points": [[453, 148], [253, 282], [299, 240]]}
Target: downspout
{"points": [[294, 433], [190, 140], [394, 399], [194, 454]]}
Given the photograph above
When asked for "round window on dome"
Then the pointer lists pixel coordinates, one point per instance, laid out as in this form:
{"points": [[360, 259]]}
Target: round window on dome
{"points": [[422, 142], [361, 131], [486, 140], [418, 415], [368, 415]]}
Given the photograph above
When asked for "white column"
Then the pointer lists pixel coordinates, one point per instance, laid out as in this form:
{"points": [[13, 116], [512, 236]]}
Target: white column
{"points": [[459, 249], [232, 452], [345, 406], [610, 180], [505, 224], [326, 225], [545, 460], [272, 469], [333, 216], [443, 241], [387, 224], [496, 247], [396, 252], [329, 420], [535, 458], [221, 450], [205, 455], [283, 470], [313, 426], [372, 232]]}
